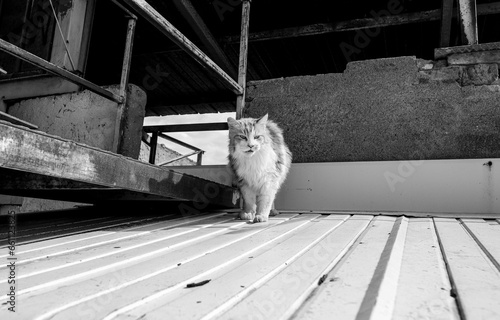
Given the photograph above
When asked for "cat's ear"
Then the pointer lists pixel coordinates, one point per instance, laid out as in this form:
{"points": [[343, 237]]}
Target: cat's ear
{"points": [[263, 120], [232, 122]]}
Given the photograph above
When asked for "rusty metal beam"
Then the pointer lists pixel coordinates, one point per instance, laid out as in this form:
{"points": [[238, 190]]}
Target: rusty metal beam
{"points": [[206, 37], [243, 61], [56, 70], [164, 26], [468, 21]]}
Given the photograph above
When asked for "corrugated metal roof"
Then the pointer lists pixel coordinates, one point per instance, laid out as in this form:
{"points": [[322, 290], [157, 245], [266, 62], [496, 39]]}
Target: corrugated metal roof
{"points": [[298, 265]]}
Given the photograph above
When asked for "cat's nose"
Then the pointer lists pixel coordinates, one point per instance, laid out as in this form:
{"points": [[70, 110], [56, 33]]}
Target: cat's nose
{"points": [[251, 146]]}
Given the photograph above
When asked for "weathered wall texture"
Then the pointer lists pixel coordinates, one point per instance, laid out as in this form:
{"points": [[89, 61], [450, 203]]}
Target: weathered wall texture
{"points": [[87, 118], [386, 109]]}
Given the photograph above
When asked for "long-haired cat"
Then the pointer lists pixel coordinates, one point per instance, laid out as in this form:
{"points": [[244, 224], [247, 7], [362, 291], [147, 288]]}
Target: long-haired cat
{"points": [[260, 161]]}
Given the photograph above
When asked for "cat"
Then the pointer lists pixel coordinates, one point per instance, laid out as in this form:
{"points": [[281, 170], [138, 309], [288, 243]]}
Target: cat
{"points": [[259, 160]]}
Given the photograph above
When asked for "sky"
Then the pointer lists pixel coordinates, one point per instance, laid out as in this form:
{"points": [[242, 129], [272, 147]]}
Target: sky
{"points": [[213, 142]]}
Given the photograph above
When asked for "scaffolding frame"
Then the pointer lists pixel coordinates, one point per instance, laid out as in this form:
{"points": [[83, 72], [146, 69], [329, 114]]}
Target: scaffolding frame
{"points": [[146, 11], [163, 25]]}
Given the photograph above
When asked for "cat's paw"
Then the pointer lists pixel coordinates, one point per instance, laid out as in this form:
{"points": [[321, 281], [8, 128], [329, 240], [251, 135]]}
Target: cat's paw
{"points": [[259, 218], [246, 215], [274, 212]]}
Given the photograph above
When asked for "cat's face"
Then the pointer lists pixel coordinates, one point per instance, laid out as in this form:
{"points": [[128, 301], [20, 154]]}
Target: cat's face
{"points": [[246, 136]]}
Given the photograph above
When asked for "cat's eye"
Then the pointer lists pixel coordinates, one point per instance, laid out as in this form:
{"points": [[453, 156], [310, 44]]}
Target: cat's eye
{"points": [[241, 137], [257, 137]]}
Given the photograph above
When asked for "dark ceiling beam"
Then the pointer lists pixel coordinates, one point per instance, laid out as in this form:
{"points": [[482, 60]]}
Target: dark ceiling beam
{"points": [[356, 24], [204, 35]]}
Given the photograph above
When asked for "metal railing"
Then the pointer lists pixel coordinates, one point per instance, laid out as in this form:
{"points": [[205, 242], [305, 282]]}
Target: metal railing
{"points": [[153, 143]]}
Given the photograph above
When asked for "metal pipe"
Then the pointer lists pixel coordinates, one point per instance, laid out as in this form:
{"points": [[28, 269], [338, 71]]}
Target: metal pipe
{"points": [[165, 27], [56, 70], [242, 69]]}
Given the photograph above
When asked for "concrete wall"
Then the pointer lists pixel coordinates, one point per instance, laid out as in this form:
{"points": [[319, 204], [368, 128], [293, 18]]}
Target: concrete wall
{"points": [[386, 109], [87, 118]]}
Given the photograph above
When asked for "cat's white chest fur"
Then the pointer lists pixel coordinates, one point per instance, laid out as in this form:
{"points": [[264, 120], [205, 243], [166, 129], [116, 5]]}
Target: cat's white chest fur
{"points": [[259, 168]]}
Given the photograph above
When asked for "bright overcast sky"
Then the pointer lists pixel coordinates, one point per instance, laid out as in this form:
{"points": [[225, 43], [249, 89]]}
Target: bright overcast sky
{"points": [[213, 142]]}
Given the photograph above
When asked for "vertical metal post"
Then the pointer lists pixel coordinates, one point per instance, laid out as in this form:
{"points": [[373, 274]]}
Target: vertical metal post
{"points": [[242, 69], [127, 60], [468, 21], [199, 159], [127, 56], [152, 148]]}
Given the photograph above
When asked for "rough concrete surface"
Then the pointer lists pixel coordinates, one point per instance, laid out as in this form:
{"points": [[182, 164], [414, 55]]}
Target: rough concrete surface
{"points": [[87, 118], [385, 109]]}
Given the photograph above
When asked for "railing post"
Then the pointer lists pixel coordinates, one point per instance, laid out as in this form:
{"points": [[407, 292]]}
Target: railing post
{"points": [[199, 158], [242, 69], [127, 60], [152, 148]]}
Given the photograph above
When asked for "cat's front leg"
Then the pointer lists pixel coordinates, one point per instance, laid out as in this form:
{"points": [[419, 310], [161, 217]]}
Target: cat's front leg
{"points": [[249, 204], [264, 205]]}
